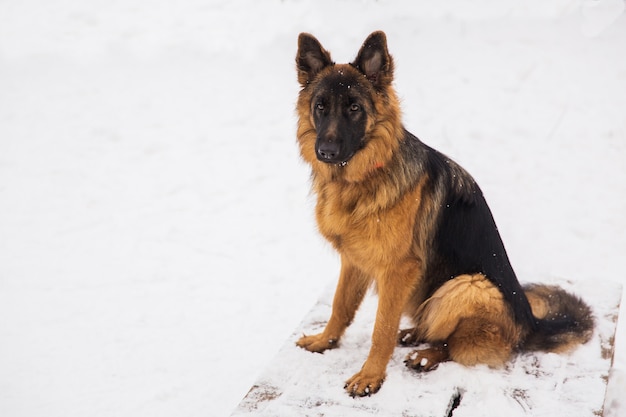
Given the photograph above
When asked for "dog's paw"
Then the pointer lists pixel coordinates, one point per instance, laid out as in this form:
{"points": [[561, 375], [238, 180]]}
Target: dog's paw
{"points": [[363, 385], [424, 360], [408, 337], [316, 343]]}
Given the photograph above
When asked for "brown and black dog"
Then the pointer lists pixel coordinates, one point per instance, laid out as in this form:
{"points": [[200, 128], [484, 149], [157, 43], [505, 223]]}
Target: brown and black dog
{"points": [[409, 220]]}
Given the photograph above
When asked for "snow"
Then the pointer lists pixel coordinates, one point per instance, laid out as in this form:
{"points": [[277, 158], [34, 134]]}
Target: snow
{"points": [[157, 240]]}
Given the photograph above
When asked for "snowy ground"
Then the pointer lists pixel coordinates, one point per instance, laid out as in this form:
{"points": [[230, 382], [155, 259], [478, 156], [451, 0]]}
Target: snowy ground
{"points": [[157, 245], [297, 383]]}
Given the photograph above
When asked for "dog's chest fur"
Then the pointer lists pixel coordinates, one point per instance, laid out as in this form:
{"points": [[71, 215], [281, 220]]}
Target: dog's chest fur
{"points": [[361, 227]]}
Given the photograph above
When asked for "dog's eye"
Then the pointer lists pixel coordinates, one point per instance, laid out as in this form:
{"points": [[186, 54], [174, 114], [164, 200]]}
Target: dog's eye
{"points": [[355, 107], [320, 106]]}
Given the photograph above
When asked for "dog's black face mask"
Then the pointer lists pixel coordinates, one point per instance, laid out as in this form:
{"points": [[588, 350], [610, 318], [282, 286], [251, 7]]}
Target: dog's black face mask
{"points": [[340, 115]]}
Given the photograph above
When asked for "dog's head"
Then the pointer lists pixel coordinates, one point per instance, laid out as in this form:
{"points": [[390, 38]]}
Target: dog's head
{"points": [[342, 97]]}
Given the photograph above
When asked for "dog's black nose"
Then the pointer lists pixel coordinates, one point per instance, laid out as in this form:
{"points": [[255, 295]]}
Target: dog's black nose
{"points": [[327, 151]]}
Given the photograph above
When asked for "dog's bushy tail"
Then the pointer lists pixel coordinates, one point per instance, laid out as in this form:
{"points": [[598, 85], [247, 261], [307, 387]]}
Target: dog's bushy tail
{"points": [[563, 320]]}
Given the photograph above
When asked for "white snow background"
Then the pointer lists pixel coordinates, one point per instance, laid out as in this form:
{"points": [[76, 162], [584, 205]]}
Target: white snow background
{"points": [[157, 240]]}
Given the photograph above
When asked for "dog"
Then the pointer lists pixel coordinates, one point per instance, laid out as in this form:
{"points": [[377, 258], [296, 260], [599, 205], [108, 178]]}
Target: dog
{"points": [[410, 221]]}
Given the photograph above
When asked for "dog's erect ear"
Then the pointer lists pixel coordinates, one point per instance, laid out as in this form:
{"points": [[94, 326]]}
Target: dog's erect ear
{"points": [[374, 60], [311, 58]]}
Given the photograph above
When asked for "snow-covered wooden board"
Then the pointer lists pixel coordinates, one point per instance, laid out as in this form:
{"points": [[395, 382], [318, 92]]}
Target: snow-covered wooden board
{"points": [[300, 383]]}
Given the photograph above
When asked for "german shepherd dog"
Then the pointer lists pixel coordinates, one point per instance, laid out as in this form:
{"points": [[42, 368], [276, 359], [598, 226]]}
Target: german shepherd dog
{"points": [[415, 224]]}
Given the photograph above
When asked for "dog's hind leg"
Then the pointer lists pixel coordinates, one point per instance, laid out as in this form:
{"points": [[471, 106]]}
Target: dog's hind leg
{"points": [[478, 340], [474, 341], [466, 321]]}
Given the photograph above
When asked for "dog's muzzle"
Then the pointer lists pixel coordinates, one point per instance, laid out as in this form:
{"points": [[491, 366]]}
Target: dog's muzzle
{"points": [[328, 152]]}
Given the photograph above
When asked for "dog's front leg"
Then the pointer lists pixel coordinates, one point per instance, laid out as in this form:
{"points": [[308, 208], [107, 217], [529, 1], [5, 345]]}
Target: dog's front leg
{"points": [[394, 289], [351, 289]]}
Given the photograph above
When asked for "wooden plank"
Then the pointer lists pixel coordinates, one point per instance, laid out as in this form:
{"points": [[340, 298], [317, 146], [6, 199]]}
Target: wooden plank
{"points": [[299, 383]]}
